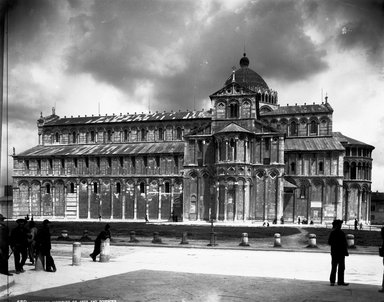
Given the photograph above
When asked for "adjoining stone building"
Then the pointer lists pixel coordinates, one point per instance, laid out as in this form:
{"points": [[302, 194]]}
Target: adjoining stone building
{"points": [[247, 158]]}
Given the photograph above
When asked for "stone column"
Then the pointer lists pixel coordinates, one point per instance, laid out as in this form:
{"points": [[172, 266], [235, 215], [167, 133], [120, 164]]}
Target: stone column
{"points": [[77, 200], [53, 200], [217, 200], [30, 199], [123, 192], [226, 150], [159, 190], [359, 205], [279, 192], [339, 203], [111, 195], [136, 187], [225, 202], [89, 189]]}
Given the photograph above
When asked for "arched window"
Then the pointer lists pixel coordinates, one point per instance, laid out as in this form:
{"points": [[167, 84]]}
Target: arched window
{"points": [[142, 188], [293, 129], [161, 134], [179, 133], [246, 111], [321, 167], [167, 187], [48, 186], [233, 110], [109, 135], [220, 110], [125, 135], [313, 128], [92, 136], [72, 188], [118, 188], [143, 134], [95, 187], [74, 137], [293, 168], [57, 137]]}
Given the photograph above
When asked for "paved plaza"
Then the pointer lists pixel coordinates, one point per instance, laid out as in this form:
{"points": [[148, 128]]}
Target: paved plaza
{"points": [[173, 273]]}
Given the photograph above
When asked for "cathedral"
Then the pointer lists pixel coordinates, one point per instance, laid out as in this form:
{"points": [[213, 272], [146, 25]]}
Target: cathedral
{"points": [[248, 158]]}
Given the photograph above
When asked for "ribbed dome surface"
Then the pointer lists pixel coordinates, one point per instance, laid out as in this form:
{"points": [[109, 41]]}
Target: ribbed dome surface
{"points": [[247, 77]]}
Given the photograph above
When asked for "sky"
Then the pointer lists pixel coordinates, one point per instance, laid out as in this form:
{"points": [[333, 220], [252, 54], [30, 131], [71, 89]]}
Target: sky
{"points": [[86, 57]]}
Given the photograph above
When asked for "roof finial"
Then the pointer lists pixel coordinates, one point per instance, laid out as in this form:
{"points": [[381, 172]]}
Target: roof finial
{"points": [[233, 74], [326, 97], [53, 110]]}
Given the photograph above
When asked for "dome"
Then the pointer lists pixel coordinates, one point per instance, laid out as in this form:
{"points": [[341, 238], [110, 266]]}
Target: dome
{"points": [[247, 77]]}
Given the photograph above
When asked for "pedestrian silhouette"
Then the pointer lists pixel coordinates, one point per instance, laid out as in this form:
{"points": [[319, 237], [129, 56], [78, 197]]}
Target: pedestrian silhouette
{"points": [[4, 246], [43, 246], [103, 235], [19, 245], [381, 255], [339, 249], [356, 223]]}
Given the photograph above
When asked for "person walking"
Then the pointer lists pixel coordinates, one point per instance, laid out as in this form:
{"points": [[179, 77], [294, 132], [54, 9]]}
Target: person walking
{"points": [[19, 245], [43, 246], [4, 246], [103, 235], [32, 232], [339, 250], [382, 255]]}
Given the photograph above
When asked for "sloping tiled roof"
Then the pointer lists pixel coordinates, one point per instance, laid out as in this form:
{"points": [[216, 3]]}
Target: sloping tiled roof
{"points": [[300, 109], [130, 118], [105, 149], [350, 141], [232, 127], [313, 144]]}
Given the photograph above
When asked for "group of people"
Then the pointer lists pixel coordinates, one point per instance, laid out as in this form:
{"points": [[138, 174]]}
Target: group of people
{"points": [[26, 241]]}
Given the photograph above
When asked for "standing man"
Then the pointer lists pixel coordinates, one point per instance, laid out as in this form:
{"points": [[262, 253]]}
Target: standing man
{"points": [[32, 232], [4, 247], [339, 249], [19, 245], [43, 246]]}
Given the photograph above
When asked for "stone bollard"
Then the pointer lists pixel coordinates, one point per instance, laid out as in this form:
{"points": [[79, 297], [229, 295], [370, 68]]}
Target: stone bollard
{"points": [[39, 262], [184, 239], [156, 238], [132, 236], [351, 241], [212, 241], [244, 240], [312, 241], [105, 250], [277, 242], [76, 253]]}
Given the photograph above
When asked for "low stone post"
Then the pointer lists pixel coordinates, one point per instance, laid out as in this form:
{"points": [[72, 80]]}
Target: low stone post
{"points": [[277, 242], [312, 241], [105, 250], [156, 238], [184, 238], [212, 241], [76, 253], [132, 236], [39, 262], [244, 239], [351, 241]]}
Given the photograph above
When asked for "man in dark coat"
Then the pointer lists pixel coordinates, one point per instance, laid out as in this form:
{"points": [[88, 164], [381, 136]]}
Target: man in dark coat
{"points": [[19, 245], [43, 246], [102, 236], [4, 247], [339, 249]]}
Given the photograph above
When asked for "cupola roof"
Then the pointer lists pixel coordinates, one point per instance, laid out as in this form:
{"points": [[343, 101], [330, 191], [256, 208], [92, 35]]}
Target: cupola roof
{"points": [[247, 77]]}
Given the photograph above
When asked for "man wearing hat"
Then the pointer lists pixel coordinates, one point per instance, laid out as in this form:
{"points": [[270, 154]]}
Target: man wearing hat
{"points": [[19, 245], [43, 246], [4, 246], [339, 249]]}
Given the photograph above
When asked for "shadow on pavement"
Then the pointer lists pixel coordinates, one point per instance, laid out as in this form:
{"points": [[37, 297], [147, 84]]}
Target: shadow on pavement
{"points": [[148, 285]]}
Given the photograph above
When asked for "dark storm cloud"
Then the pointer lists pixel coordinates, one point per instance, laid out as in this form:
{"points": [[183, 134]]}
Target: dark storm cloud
{"points": [[112, 38], [352, 24]]}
